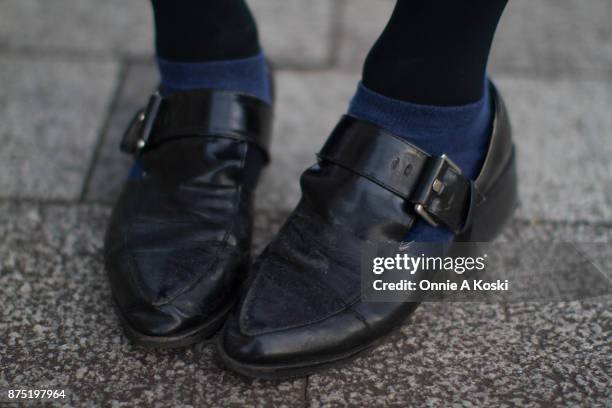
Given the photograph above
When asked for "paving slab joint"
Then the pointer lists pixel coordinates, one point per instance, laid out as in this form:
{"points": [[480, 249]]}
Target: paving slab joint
{"points": [[103, 131]]}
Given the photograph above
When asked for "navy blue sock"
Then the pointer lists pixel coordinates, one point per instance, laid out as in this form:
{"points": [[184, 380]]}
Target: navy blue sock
{"points": [[461, 132], [247, 75]]}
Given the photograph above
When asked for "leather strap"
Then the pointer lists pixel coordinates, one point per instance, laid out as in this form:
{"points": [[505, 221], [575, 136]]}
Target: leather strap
{"points": [[434, 185], [199, 113]]}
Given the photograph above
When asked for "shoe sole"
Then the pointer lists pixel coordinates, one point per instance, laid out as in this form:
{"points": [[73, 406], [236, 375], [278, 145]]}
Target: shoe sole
{"points": [[291, 371], [501, 205], [183, 338]]}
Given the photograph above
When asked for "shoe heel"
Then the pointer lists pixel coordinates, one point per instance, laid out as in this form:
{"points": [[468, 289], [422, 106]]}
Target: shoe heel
{"points": [[491, 216]]}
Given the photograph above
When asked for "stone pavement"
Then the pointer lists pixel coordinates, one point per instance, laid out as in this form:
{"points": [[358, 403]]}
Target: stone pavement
{"points": [[73, 71]]}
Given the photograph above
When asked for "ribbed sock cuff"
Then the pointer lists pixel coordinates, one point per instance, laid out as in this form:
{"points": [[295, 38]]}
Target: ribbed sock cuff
{"points": [[246, 75]]}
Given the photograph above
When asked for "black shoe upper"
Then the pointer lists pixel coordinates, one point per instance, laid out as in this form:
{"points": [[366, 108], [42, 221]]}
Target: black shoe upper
{"points": [[178, 242], [303, 306]]}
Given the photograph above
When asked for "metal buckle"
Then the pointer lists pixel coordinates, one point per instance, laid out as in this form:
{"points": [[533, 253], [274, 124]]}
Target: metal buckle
{"points": [[137, 135], [437, 186]]}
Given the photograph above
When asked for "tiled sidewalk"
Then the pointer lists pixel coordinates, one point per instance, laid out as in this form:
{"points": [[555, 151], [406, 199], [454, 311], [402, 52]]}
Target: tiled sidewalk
{"points": [[73, 71]]}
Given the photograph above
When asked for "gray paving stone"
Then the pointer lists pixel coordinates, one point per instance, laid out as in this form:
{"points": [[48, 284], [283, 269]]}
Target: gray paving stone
{"points": [[59, 329], [562, 132], [60, 332], [474, 355], [110, 26], [549, 262], [51, 112], [555, 36], [293, 32], [547, 37], [362, 21], [592, 241]]}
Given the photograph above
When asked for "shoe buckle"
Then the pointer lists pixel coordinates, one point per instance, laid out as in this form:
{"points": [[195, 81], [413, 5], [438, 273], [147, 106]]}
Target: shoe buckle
{"points": [[137, 135], [435, 185]]}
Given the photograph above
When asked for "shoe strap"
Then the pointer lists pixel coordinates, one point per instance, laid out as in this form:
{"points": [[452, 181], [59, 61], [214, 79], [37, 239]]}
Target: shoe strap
{"points": [[434, 185], [204, 113]]}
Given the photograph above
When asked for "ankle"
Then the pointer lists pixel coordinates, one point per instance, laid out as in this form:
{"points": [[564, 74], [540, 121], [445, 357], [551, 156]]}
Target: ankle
{"points": [[201, 31], [247, 75]]}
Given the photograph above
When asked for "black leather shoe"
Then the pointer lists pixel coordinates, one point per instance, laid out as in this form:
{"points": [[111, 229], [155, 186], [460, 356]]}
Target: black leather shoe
{"points": [[178, 243], [303, 309]]}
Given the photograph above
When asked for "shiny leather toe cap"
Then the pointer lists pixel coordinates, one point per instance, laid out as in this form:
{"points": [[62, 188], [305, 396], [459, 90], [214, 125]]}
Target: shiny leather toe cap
{"points": [[145, 316], [157, 321], [187, 303], [312, 342]]}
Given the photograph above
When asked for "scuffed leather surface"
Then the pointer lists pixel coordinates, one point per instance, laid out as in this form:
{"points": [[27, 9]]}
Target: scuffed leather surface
{"points": [[177, 246], [303, 303]]}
